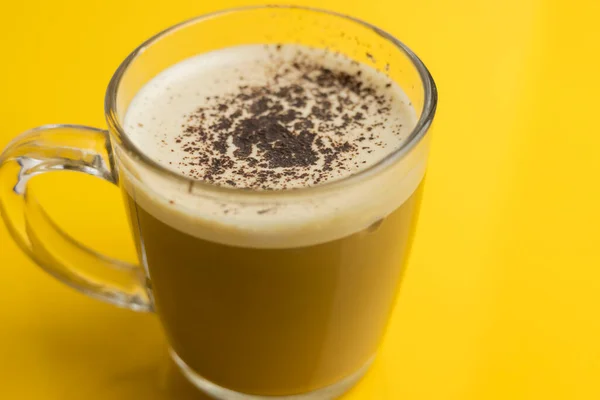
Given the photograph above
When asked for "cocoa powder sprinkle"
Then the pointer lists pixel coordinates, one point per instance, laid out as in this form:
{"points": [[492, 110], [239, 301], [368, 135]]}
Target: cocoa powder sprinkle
{"points": [[224, 137]]}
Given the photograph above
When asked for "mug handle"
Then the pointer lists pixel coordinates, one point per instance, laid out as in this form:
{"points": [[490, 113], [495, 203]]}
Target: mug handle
{"points": [[58, 148]]}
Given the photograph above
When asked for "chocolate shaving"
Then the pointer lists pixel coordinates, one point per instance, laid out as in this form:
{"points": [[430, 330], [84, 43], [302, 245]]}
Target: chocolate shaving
{"points": [[262, 137]]}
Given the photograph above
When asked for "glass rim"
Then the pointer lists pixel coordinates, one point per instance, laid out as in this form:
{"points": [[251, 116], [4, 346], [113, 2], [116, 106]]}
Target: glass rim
{"points": [[417, 134]]}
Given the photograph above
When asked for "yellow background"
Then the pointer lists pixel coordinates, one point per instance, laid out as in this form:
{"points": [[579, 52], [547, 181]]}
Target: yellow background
{"points": [[502, 296]]}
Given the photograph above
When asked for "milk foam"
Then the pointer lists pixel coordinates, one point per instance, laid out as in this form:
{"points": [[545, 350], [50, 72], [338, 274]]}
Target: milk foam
{"points": [[158, 114]]}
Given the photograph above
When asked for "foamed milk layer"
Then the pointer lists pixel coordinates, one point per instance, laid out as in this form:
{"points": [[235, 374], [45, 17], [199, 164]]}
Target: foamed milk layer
{"points": [[281, 117]]}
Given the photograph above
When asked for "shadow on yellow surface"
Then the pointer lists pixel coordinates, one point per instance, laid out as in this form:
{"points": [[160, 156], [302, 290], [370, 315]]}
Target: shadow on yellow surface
{"points": [[161, 382]]}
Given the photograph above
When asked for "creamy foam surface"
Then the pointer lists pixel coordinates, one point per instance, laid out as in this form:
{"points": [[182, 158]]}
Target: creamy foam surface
{"points": [[270, 118]]}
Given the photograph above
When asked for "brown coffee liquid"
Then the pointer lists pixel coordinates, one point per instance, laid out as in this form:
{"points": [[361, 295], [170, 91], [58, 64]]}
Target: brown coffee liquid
{"points": [[275, 321]]}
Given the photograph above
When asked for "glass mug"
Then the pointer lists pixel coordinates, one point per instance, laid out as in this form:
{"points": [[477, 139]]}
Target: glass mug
{"points": [[291, 309]]}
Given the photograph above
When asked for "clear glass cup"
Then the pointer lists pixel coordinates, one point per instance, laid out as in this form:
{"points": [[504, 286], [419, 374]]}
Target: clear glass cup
{"points": [[294, 309]]}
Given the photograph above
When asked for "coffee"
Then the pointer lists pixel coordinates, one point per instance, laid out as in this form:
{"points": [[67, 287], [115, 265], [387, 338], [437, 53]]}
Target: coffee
{"points": [[291, 292]]}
